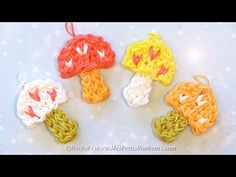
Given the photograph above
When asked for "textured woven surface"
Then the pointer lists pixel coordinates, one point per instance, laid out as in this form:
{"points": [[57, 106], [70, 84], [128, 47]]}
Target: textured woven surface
{"points": [[37, 99], [63, 128], [138, 91], [151, 57], [167, 127], [93, 87], [197, 102], [85, 53]]}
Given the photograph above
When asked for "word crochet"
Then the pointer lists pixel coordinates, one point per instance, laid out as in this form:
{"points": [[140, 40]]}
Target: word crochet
{"points": [[151, 60], [39, 100], [169, 126], [84, 55], [196, 101]]}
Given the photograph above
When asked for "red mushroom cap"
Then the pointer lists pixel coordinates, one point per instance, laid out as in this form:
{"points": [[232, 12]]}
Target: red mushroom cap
{"points": [[85, 53]]}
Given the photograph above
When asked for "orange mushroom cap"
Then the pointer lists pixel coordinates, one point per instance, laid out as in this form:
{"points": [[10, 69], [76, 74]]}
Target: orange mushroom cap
{"points": [[196, 102]]}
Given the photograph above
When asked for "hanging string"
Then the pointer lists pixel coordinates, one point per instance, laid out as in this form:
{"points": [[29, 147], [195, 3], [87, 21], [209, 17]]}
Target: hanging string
{"points": [[197, 76], [70, 31]]}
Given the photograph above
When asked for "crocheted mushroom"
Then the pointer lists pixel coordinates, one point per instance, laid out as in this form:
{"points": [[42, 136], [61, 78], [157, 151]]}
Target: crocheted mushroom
{"points": [[39, 101], [196, 102], [84, 55], [151, 60]]}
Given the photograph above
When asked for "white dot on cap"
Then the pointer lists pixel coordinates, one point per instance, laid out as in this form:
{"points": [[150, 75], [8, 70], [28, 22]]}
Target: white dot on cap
{"points": [[202, 120]]}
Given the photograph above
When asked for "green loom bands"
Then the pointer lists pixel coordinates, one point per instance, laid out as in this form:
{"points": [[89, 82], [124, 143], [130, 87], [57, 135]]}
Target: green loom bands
{"points": [[169, 126], [63, 128]]}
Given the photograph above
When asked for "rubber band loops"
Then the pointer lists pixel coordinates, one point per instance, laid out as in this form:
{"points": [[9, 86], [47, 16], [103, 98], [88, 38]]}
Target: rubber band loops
{"points": [[197, 76], [39, 102], [72, 32], [196, 101], [84, 55], [150, 59]]}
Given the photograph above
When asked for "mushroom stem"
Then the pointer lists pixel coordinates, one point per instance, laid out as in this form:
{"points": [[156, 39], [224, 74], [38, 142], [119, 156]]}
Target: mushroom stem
{"points": [[167, 127], [94, 90], [138, 91], [63, 128]]}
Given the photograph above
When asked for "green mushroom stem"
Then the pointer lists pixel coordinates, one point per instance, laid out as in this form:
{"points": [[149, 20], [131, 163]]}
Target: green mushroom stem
{"points": [[63, 128], [167, 127]]}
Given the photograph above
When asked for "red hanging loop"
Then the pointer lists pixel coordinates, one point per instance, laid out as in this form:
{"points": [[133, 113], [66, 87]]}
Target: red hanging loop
{"points": [[72, 31]]}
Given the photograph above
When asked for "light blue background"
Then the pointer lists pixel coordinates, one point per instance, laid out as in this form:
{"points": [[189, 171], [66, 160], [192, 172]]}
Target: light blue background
{"points": [[29, 51]]}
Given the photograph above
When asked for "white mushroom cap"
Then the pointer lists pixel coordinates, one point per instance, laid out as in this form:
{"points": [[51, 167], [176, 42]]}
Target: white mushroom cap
{"points": [[39, 107]]}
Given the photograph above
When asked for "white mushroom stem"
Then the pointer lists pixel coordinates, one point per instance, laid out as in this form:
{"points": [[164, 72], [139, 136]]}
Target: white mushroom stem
{"points": [[138, 91]]}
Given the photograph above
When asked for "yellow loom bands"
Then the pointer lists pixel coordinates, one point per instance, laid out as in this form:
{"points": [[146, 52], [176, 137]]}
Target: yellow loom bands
{"points": [[198, 105], [148, 66], [94, 90], [63, 128], [169, 126]]}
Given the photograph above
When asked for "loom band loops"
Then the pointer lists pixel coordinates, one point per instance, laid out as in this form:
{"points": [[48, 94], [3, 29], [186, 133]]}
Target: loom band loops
{"points": [[61, 127], [168, 127], [197, 76], [149, 58], [93, 54], [93, 88], [199, 107], [154, 36], [138, 91], [39, 102], [72, 32]]}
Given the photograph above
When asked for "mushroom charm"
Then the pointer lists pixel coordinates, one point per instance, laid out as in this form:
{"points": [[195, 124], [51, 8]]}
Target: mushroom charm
{"points": [[198, 106], [39, 101], [194, 105], [151, 60], [84, 55]]}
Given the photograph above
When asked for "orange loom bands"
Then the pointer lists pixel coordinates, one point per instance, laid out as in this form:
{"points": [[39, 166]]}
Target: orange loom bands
{"points": [[94, 91], [84, 55], [196, 101]]}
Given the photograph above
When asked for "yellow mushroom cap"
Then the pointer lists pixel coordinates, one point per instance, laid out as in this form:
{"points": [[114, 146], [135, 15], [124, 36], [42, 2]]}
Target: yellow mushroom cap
{"points": [[151, 57]]}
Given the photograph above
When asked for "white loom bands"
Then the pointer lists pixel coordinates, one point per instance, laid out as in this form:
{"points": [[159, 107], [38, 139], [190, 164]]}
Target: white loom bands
{"points": [[138, 91], [42, 107]]}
